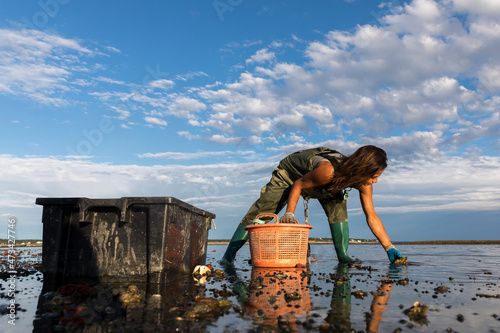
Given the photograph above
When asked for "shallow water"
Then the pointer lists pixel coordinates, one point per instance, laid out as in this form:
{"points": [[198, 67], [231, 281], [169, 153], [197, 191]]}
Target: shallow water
{"points": [[369, 297]]}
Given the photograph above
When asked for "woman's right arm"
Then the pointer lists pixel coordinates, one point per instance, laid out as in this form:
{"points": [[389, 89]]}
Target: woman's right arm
{"points": [[321, 175]]}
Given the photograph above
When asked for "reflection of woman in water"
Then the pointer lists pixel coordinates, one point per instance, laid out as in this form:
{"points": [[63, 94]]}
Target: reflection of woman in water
{"points": [[379, 305], [324, 174], [278, 296], [274, 296], [338, 317]]}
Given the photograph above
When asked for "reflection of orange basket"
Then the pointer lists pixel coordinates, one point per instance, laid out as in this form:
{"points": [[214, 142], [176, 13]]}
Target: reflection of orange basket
{"points": [[278, 292], [278, 244]]}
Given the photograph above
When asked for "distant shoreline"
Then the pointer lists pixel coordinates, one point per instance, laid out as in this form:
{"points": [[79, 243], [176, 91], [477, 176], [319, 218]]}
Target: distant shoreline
{"points": [[452, 242], [436, 242], [4, 244]]}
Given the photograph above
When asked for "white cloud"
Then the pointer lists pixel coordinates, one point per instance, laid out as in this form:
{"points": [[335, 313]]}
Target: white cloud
{"points": [[122, 114], [480, 7], [188, 135], [185, 107], [239, 141], [486, 128], [413, 145], [232, 46], [113, 49], [439, 88], [37, 65], [296, 138], [112, 81], [374, 79], [423, 17], [187, 156], [191, 75], [155, 121], [288, 121], [218, 124], [489, 77], [162, 84], [315, 111], [457, 179], [261, 56]]}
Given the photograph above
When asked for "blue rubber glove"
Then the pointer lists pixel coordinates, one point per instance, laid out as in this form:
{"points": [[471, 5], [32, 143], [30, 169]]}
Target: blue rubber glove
{"points": [[393, 253], [287, 218]]}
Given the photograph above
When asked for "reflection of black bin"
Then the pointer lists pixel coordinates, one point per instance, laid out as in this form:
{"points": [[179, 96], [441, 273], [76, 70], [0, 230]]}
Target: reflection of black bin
{"points": [[143, 239]]}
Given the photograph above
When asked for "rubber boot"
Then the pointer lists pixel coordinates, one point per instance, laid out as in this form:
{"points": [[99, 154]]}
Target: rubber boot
{"points": [[340, 237], [239, 239]]}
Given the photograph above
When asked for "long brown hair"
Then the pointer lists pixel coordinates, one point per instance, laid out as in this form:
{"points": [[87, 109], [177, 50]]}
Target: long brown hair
{"points": [[355, 169]]}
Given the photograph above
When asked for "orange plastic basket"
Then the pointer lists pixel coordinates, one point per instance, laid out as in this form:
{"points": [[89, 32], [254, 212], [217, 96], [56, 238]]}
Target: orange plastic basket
{"points": [[278, 244]]}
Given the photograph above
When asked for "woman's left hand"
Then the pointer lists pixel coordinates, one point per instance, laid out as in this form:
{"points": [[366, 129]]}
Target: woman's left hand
{"points": [[393, 254]]}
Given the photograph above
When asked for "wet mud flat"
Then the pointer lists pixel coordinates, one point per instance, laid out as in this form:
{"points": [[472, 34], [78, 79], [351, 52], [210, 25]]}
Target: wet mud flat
{"points": [[443, 288]]}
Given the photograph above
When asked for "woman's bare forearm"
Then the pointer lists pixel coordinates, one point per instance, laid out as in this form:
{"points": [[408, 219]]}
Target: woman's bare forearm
{"points": [[378, 230], [293, 197]]}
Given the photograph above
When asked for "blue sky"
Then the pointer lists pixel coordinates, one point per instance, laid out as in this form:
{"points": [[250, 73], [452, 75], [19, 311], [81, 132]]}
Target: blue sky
{"points": [[199, 100]]}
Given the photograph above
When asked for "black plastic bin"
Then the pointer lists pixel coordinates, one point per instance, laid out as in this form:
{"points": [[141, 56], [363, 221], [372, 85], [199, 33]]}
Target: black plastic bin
{"points": [[139, 239]]}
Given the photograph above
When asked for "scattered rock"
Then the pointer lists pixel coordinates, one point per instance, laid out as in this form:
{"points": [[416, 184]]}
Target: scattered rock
{"points": [[131, 298], [403, 282], [418, 313], [359, 294], [218, 273], [440, 290], [295, 296], [488, 295]]}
